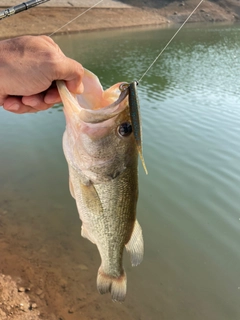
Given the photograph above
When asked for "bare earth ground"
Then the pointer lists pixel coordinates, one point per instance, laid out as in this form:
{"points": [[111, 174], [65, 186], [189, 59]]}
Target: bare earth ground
{"points": [[35, 291], [46, 19]]}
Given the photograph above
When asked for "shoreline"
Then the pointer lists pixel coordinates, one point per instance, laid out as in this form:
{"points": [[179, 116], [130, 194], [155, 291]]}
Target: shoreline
{"points": [[46, 19]]}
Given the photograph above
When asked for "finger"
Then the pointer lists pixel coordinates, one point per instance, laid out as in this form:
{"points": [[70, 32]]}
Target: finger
{"points": [[15, 105], [12, 104], [52, 96], [72, 72], [36, 101], [19, 105]]}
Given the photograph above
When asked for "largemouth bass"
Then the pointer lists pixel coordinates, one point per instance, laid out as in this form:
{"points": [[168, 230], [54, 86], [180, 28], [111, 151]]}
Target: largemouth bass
{"points": [[102, 158]]}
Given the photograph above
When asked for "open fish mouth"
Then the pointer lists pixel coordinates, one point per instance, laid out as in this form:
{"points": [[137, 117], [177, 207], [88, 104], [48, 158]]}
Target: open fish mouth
{"points": [[106, 106], [105, 113], [96, 106]]}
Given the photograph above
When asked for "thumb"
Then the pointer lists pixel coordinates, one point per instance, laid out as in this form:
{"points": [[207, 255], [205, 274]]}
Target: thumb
{"points": [[72, 73]]}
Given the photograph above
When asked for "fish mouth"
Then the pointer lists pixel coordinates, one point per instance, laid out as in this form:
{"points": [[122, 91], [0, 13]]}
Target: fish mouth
{"points": [[104, 113], [95, 105]]}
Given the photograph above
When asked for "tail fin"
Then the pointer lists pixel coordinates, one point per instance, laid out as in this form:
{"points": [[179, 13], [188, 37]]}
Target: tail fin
{"points": [[117, 286]]}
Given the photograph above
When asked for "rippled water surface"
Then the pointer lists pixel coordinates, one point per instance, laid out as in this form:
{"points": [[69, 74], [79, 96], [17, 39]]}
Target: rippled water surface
{"points": [[189, 205]]}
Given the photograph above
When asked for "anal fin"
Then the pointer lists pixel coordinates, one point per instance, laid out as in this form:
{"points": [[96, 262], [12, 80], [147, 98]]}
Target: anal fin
{"points": [[135, 245]]}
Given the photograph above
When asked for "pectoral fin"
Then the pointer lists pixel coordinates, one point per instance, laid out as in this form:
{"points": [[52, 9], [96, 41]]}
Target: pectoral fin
{"points": [[91, 199], [135, 245], [91, 202]]}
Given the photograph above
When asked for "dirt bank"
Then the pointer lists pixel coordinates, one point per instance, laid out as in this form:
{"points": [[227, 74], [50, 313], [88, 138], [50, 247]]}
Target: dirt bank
{"points": [[45, 19], [15, 303]]}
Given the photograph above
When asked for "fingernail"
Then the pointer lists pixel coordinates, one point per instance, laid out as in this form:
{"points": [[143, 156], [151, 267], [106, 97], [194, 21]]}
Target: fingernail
{"points": [[52, 100], [81, 87], [14, 107], [33, 102]]}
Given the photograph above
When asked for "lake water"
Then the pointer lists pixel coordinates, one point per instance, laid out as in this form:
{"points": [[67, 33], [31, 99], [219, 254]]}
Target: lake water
{"points": [[189, 204]]}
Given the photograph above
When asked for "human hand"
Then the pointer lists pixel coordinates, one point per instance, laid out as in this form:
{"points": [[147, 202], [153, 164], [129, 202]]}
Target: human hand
{"points": [[28, 67]]}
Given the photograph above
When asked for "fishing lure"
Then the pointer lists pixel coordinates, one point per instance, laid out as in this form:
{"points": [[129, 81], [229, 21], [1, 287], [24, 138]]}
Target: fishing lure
{"points": [[135, 116]]}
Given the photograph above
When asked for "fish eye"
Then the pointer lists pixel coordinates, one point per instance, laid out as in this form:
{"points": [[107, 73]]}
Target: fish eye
{"points": [[125, 129]]}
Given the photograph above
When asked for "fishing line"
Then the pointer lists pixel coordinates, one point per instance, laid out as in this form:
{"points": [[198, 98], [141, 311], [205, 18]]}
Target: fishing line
{"points": [[161, 52], [158, 56], [75, 18]]}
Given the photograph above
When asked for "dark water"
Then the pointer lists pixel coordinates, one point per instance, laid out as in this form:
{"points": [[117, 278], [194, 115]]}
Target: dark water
{"points": [[189, 205]]}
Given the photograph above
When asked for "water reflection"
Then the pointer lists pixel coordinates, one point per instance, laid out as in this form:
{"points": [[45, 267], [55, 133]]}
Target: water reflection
{"points": [[189, 203]]}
